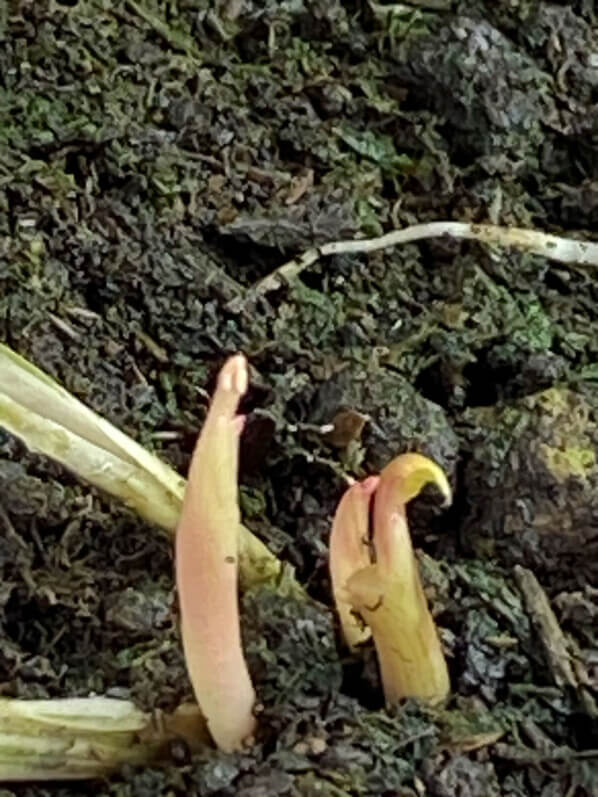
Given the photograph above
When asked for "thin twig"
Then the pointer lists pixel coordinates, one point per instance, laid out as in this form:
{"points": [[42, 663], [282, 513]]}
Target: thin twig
{"points": [[553, 247], [63, 326], [398, 9]]}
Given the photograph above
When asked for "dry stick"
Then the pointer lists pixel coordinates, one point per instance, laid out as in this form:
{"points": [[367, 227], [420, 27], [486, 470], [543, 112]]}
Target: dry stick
{"points": [[556, 646], [547, 626], [553, 247]]}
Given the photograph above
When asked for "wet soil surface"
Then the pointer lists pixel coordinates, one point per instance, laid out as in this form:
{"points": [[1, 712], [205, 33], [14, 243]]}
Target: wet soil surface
{"points": [[157, 158]]}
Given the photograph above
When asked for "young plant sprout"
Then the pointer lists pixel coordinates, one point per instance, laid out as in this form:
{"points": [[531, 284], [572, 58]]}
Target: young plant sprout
{"points": [[387, 592], [350, 552], [207, 552]]}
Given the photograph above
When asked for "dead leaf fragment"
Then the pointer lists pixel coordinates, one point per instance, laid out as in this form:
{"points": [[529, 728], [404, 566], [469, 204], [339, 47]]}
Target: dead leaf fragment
{"points": [[299, 185], [348, 426]]}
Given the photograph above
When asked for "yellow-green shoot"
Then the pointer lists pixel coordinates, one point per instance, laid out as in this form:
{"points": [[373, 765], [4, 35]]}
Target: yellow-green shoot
{"points": [[386, 591]]}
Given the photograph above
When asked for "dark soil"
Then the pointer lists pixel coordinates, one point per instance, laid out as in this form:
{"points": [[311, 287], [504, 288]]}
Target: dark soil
{"points": [[157, 157]]}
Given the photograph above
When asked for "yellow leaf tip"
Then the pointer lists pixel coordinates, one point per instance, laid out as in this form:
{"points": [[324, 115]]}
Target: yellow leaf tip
{"points": [[412, 472]]}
